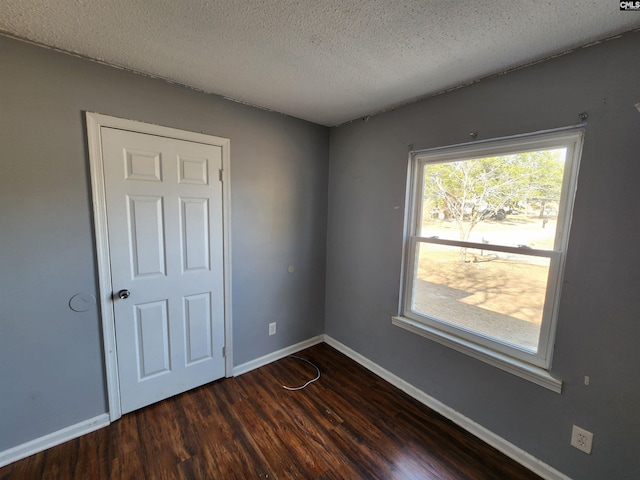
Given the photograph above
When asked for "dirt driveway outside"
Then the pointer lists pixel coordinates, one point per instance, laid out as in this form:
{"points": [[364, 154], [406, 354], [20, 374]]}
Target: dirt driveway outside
{"points": [[495, 294]]}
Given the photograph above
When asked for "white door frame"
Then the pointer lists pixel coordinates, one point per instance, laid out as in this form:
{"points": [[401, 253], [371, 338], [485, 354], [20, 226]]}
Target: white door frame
{"points": [[94, 123]]}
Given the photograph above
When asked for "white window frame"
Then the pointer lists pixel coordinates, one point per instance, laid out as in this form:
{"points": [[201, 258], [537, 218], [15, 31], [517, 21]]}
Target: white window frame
{"points": [[534, 367]]}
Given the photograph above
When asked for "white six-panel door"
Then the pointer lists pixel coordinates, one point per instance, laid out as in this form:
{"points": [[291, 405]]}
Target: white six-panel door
{"points": [[165, 236]]}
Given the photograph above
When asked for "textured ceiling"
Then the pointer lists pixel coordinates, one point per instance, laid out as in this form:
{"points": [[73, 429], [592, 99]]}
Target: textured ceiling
{"points": [[327, 61]]}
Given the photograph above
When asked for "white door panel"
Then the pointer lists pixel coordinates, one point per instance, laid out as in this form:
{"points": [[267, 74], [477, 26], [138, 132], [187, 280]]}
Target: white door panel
{"points": [[165, 232]]}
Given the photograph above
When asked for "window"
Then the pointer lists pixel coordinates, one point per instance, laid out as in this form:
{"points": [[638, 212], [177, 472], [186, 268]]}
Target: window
{"points": [[487, 230]]}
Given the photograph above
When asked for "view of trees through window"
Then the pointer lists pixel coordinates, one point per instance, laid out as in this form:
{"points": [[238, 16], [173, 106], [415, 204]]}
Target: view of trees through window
{"points": [[484, 205]]}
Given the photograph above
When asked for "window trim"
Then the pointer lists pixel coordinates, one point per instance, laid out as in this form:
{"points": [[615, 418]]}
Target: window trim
{"points": [[532, 367]]}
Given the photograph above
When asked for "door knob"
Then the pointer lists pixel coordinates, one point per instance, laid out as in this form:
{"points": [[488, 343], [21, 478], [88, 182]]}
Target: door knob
{"points": [[124, 294]]}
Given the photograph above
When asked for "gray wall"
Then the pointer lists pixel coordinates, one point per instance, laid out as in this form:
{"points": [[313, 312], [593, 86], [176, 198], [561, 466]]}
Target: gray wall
{"points": [[599, 321], [51, 370]]}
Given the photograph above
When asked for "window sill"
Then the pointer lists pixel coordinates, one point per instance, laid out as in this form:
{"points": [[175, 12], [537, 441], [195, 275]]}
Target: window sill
{"points": [[519, 368]]}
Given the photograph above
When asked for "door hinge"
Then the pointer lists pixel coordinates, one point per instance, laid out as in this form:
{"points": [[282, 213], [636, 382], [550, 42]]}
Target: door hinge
{"points": [[224, 352], [220, 174]]}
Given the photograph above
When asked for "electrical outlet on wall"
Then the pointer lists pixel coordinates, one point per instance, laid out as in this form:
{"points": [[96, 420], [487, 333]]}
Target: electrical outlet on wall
{"points": [[272, 328], [581, 439]]}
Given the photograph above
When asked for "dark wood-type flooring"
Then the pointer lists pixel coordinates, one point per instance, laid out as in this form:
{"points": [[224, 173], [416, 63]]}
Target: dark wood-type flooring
{"points": [[350, 424]]}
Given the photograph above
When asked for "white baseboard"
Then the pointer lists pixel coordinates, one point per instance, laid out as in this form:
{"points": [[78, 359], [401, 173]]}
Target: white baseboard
{"points": [[499, 443], [74, 431], [272, 357], [51, 440]]}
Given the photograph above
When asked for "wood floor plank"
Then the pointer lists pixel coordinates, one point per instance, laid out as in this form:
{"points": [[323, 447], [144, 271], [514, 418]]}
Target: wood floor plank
{"points": [[350, 424]]}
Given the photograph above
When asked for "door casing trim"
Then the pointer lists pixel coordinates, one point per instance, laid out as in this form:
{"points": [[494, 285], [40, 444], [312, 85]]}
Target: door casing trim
{"points": [[94, 123]]}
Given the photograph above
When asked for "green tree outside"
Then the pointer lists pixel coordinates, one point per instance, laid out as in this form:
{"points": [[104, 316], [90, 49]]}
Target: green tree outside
{"points": [[471, 191]]}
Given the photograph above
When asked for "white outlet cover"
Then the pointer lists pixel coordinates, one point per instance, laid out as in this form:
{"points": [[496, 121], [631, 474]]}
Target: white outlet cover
{"points": [[582, 439]]}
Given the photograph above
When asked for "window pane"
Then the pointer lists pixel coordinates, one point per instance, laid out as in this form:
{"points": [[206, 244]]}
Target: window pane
{"points": [[505, 200], [494, 294]]}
